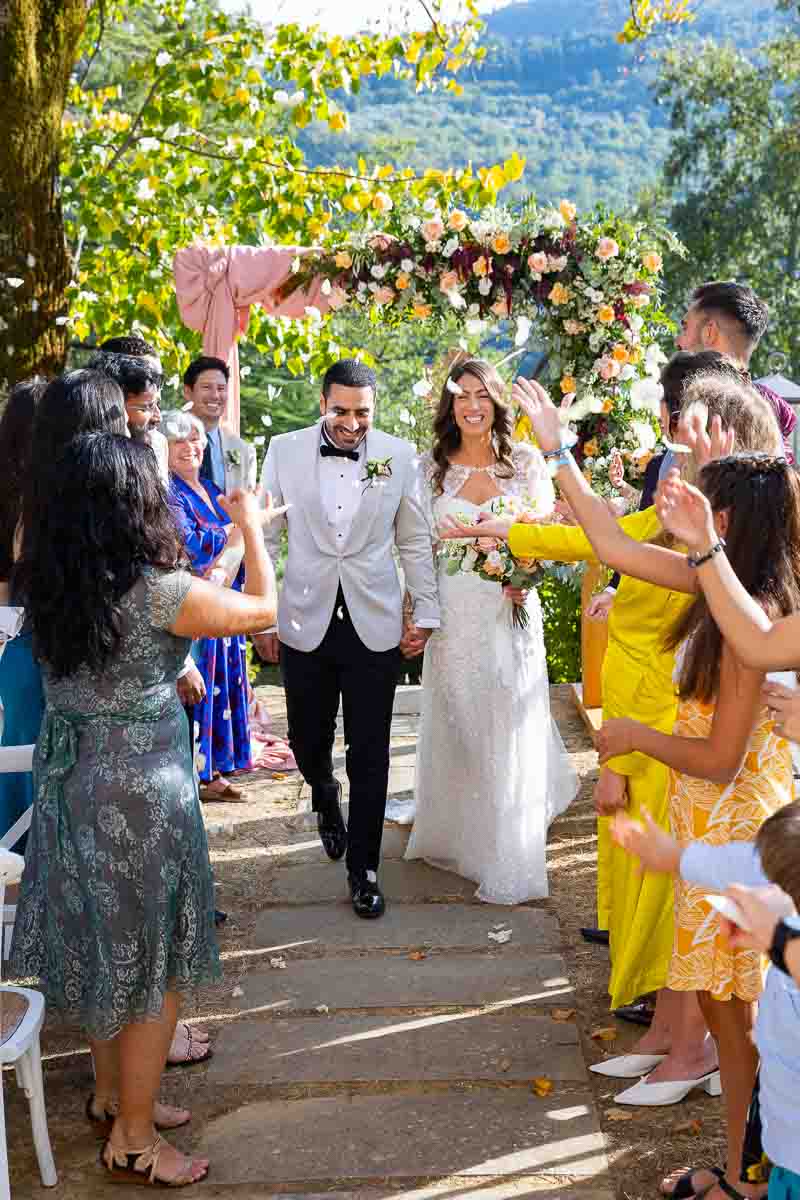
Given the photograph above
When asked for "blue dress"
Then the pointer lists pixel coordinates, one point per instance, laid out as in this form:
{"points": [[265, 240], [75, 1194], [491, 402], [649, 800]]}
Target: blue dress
{"points": [[23, 704], [222, 728]]}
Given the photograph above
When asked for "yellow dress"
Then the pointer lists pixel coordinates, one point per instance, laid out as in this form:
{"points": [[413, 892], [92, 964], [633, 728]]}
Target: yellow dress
{"points": [[702, 811], [637, 682]]}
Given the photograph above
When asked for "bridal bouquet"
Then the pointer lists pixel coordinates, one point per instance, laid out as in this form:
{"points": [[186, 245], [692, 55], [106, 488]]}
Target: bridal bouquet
{"points": [[492, 560]]}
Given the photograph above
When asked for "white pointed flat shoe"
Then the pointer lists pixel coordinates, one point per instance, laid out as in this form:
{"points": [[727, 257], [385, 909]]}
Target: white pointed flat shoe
{"points": [[653, 1095], [628, 1066]]}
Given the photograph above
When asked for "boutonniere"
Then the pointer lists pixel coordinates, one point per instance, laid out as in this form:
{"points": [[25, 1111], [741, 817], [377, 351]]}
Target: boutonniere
{"points": [[233, 458], [375, 470]]}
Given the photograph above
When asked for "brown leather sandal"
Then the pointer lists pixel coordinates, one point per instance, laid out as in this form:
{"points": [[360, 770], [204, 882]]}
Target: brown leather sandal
{"points": [[102, 1125], [141, 1166]]}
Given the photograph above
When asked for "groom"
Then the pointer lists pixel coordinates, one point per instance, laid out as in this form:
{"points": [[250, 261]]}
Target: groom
{"points": [[354, 496]]}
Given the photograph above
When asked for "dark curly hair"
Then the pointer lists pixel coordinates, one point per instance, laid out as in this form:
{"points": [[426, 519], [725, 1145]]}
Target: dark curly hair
{"points": [[16, 439], [447, 435], [761, 495], [104, 517]]}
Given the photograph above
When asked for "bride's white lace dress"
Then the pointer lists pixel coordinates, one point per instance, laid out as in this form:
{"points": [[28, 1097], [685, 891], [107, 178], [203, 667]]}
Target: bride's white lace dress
{"points": [[492, 771]]}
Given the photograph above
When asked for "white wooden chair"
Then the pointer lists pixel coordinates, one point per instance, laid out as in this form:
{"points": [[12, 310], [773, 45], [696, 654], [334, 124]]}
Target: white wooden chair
{"points": [[13, 758], [21, 1014]]}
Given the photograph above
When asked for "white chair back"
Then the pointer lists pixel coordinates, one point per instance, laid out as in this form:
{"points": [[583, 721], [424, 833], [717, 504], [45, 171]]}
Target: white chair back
{"points": [[12, 759]]}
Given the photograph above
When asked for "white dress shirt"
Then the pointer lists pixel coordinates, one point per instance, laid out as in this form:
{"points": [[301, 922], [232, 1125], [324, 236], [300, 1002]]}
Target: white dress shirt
{"points": [[341, 483]]}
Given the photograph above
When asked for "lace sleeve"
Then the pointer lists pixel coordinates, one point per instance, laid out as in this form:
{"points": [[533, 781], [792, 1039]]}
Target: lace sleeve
{"points": [[166, 591], [536, 485], [425, 483]]}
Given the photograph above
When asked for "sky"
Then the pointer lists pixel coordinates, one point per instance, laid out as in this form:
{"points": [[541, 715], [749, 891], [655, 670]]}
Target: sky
{"points": [[348, 16]]}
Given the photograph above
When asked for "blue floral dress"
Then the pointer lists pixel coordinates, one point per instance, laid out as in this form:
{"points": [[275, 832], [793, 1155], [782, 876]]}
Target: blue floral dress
{"points": [[117, 900], [222, 727]]}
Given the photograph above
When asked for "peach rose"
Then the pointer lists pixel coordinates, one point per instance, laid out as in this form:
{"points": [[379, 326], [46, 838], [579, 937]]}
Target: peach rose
{"points": [[337, 298], [343, 260], [384, 295], [501, 243], [568, 384], [403, 282], [421, 311], [620, 354], [606, 248], [567, 210], [382, 203], [449, 282], [605, 314], [480, 268], [573, 328], [494, 565], [487, 544], [608, 369], [538, 262], [653, 261], [559, 294], [591, 448], [500, 307], [458, 220], [433, 230]]}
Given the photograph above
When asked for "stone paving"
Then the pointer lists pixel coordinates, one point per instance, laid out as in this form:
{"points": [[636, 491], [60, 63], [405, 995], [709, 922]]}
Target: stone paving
{"points": [[410, 1057]]}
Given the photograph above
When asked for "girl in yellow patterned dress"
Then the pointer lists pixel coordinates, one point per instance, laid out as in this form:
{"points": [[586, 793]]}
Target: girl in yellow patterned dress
{"points": [[730, 769]]}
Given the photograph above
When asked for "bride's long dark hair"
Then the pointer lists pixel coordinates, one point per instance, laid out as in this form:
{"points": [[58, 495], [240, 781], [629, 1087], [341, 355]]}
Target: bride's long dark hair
{"points": [[447, 435]]}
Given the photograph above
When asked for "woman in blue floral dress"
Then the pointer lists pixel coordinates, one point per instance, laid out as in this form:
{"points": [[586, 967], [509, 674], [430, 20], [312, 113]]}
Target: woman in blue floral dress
{"points": [[116, 910], [221, 724]]}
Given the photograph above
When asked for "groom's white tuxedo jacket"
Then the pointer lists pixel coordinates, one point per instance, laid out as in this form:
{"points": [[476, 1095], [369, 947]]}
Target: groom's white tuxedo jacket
{"points": [[390, 514]]}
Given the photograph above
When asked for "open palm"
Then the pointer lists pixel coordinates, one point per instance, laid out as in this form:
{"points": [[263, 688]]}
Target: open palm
{"points": [[543, 415]]}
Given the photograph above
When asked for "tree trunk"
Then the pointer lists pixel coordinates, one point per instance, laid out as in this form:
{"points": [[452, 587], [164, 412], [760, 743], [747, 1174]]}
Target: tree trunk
{"points": [[38, 46]]}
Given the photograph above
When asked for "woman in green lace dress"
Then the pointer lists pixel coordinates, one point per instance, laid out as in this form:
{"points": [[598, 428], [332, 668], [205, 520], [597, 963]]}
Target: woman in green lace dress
{"points": [[116, 911]]}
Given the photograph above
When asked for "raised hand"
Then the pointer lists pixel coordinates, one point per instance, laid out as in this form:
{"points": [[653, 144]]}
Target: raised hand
{"points": [[648, 842], [761, 909], [704, 446], [684, 511], [543, 415], [616, 470]]}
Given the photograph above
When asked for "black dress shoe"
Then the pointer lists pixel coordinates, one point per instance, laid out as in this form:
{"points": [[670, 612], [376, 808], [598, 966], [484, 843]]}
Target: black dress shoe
{"points": [[220, 917], [599, 937], [638, 1014], [367, 897], [331, 828]]}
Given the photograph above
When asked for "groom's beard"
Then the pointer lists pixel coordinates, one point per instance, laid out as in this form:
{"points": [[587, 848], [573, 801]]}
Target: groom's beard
{"points": [[354, 444], [140, 434]]}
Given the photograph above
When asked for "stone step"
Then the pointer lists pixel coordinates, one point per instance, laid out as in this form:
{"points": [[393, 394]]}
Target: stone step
{"points": [[478, 1046], [398, 981], [402, 883], [326, 929], [480, 1133]]}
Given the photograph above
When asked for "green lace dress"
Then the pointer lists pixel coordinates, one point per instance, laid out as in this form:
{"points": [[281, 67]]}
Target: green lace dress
{"points": [[117, 902]]}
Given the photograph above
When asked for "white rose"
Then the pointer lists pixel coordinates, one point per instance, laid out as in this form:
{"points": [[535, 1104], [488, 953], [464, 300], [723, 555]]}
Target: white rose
{"points": [[646, 394], [645, 436], [468, 561]]}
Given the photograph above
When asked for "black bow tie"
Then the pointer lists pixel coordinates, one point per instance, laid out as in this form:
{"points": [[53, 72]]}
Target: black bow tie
{"points": [[334, 452]]}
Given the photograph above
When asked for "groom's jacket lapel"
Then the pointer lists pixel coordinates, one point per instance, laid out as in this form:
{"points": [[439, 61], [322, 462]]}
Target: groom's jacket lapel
{"points": [[376, 447], [305, 460]]}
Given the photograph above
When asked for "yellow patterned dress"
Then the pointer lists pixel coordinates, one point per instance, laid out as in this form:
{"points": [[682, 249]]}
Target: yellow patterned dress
{"points": [[701, 811]]}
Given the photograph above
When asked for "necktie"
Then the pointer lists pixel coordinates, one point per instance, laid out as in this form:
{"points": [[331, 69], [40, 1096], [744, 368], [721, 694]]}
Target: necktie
{"points": [[334, 452], [207, 465]]}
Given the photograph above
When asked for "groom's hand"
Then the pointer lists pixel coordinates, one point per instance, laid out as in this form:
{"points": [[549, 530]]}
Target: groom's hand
{"points": [[267, 647], [413, 641]]}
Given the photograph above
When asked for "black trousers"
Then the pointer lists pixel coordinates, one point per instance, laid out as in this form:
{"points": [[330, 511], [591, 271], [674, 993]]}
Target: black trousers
{"points": [[342, 666]]}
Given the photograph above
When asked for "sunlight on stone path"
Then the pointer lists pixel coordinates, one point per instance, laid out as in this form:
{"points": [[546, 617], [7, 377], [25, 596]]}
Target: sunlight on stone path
{"points": [[387, 1058]]}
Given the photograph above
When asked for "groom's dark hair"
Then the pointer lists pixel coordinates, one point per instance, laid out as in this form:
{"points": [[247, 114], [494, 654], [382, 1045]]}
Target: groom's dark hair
{"points": [[739, 304], [349, 372]]}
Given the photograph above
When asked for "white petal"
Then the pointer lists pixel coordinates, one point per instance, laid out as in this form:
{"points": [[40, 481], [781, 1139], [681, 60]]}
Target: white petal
{"points": [[422, 387]]}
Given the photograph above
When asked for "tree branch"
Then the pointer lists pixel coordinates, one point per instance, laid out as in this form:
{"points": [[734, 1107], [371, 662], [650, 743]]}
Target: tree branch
{"points": [[100, 33]]}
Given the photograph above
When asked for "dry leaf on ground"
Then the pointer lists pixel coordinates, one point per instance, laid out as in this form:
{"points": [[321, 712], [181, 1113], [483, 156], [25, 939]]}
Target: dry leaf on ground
{"points": [[607, 1034], [618, 1114], [542, 1086], [694, 1127], [417, 955], [562, 1014]]}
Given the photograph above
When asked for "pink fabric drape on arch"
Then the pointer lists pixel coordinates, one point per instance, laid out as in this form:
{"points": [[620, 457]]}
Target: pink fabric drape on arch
{"points": [[215, 287]]}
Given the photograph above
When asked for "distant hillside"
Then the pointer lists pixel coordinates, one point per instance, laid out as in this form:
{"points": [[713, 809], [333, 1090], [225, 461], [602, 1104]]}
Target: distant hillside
{"points": [[556, 87]]}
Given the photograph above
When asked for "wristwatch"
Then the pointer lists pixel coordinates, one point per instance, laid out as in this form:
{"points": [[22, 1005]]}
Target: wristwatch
{"points": [[777, 952]]}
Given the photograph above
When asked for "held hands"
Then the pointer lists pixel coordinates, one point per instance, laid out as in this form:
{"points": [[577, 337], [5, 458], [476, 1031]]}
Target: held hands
{"points": [[413, 641], [616, 737], [543, 415], [489, 525], [648, 842], [267, 646], [610, 793], [515, 595], [784, 708], [684, 511]]}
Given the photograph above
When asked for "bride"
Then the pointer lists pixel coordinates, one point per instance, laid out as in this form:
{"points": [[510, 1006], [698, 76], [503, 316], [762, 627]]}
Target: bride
{"points": [[492, 771]]}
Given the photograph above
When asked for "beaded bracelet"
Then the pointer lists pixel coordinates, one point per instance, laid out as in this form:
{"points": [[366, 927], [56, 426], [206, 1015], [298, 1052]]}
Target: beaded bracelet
{"points": [[697, 560], [558, 459], [565, 445]]}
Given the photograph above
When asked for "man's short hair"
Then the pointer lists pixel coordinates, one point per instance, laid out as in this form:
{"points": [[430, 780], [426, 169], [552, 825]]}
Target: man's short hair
{"points": [[204, 363], [129, 344], [738, 304], [132, 372], [349, 372]]}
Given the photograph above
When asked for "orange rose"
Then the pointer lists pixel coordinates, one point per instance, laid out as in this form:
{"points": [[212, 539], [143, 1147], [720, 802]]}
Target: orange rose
{"points": [[653, 261], [480, 268], [605, 314], [449, 282], [620, 353], [402, 282], [568, 384], [458, 220], [343, 260], [421, 312], [567, 210], [559, 294], [501, 243], [500, 307]]}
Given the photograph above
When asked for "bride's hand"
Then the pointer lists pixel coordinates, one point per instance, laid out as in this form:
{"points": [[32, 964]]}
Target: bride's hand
{"points": [[488, 526], [543, 415]]}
